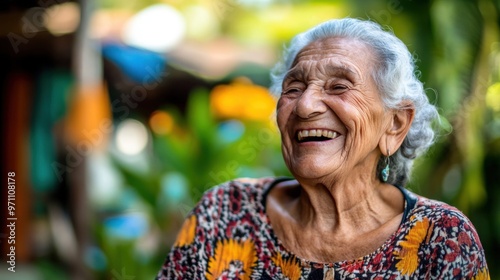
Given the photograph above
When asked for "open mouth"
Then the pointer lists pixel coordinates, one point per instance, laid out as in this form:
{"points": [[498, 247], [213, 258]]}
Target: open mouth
{"points": [[311, 135]]}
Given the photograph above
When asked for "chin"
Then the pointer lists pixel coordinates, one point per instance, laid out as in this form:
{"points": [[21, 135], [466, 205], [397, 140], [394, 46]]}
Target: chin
{"points": [[312, 170]]}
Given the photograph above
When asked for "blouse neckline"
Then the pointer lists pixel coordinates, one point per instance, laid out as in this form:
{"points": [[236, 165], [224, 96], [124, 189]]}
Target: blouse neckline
{"points": [[410, 202]]}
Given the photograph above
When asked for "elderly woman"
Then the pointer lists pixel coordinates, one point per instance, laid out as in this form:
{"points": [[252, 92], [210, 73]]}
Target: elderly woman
{"points": [[353, 116]]}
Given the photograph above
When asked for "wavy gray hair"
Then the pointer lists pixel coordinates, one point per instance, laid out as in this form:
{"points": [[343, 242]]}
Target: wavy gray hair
{"points": [[395, 76]]}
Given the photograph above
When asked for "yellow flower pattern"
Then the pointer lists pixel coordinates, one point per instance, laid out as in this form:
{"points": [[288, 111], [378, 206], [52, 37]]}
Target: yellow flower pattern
{"points": [[233, 260], [223, 240], [482, 275], [408, 256], [187, 232], [289, 266]]}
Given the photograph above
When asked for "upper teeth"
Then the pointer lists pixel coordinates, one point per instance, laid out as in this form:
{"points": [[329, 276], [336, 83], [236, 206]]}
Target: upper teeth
{"points": [[316, 133]]}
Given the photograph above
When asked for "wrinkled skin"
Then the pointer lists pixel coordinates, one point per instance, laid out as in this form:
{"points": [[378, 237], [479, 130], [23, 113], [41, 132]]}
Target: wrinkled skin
{"points": [[337, 198], [330, 87]]}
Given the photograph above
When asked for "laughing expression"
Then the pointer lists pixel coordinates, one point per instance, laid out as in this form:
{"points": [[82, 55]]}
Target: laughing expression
{"points": [[330, 113]]}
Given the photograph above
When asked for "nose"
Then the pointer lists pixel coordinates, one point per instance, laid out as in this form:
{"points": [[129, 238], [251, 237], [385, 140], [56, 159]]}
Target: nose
{"points": [[310, 103]]}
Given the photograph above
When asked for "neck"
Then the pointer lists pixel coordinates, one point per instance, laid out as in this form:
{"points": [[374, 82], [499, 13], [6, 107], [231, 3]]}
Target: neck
{"points": [[352, 204]]}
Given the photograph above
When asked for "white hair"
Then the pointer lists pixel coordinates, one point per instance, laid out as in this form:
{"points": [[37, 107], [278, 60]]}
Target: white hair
{"points": [[395, 76]]}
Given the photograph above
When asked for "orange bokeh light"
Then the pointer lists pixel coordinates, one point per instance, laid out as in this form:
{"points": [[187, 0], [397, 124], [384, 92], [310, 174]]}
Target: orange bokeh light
{"points": [[161, 122], [242, 100]]}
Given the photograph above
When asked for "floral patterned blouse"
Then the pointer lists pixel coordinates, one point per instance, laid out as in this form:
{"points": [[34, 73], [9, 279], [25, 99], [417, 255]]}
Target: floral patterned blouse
{"points": [[228, 236]]}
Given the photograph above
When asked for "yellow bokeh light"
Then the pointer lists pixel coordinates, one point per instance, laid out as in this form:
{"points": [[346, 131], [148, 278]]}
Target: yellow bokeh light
{"points": [[493, 97], [161, 122]]}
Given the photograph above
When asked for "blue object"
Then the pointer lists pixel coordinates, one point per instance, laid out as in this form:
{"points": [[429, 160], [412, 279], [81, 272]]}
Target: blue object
{"points": [[385, 173], [126, 226], [95, 258], [174, 187], [140, 65], [231, 131]]}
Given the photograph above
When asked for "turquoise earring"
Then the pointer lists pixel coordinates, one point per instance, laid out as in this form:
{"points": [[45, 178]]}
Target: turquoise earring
{"points": [[386, 170]]}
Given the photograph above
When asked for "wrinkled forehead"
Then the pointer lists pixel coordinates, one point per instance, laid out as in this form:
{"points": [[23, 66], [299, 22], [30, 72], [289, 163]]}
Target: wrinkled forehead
{"points": [[338, 48], [338, 55]]}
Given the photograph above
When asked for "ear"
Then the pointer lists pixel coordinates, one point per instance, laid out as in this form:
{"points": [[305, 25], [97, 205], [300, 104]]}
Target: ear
{"points": [[397, 128]]}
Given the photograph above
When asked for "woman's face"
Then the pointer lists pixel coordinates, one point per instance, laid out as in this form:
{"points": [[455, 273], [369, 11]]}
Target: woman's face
{"points": [[330, 113]]}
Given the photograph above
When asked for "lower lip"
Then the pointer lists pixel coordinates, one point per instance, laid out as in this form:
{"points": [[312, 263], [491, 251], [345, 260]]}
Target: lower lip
{"points": [[316, 142]]}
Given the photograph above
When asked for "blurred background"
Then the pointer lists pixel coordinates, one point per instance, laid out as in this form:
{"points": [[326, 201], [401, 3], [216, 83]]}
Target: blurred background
{"points": [[118, 115]]}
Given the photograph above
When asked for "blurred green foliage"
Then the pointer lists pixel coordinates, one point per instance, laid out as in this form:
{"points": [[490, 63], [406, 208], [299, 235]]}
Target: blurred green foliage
{"points": [[200, 152], [457, 47]]}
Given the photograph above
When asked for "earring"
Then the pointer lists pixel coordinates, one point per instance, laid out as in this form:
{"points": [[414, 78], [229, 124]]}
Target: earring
{"points": [[386, 170]]}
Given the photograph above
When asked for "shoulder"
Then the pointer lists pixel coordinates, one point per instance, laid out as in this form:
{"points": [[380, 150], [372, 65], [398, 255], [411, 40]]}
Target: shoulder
{"points": [[447, 238], [443, 218], [236, 201], [441, 215], [236, 191], [251, 186], [228, 216]]}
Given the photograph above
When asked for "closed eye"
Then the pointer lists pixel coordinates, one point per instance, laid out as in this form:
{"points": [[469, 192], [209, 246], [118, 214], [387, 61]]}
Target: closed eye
{"points": [[291, 91], [293, 88], [338, 89]]}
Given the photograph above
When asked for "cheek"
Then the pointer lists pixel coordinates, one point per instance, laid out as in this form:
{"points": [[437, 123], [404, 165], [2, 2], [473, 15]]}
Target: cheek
{"points": [[283, 112], [364, 108], [362, 117]]}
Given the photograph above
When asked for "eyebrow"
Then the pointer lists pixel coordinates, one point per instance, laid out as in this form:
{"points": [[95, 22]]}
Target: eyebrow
{"points": [[339, 70], [330, 70], [294, 73]]}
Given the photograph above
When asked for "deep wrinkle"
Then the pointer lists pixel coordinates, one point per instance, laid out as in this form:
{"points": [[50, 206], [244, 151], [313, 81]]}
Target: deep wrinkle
{"points": [[330, 70], [355, 95], [330, 87]]}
